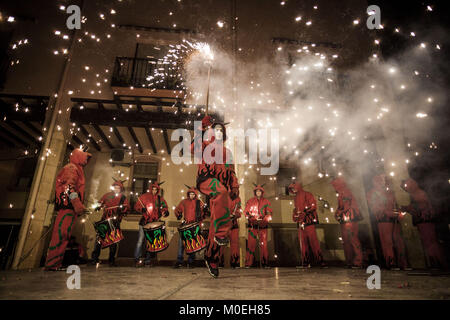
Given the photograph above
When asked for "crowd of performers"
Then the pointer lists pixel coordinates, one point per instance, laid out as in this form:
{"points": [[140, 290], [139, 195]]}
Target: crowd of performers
{"points": [[218, 183]]}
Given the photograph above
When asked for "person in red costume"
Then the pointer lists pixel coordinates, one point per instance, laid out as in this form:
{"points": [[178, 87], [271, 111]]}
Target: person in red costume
{"points": [[381, 201], [305, 215], [259, 213], [193, 210], [153, 207], [348, 215], [115, 206], [69, 191], [217, 180], [234, 237], [424, 217]]}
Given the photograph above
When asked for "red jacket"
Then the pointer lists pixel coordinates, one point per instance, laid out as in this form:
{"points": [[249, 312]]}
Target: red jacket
{"points": [[152, 207], [193, 210], [420, 207], [115, 205], [305, 211], [348, 209], [224, 171], [381, 201], [71, 179], [258, 209]]}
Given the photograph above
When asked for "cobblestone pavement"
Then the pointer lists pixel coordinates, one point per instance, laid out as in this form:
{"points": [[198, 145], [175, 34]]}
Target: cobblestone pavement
{"points": [[162, 283]]}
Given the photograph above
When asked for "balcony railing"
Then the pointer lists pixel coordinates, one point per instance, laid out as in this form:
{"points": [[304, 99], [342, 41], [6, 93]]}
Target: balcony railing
{"points": [[146, 73]]}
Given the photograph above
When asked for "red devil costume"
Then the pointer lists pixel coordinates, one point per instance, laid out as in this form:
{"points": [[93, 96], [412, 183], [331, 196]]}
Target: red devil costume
{"points": [[305, 214], [115, 207], [424, 218], [234, 236], [153, 207], [219, 183], [69, 191], [348, 215], [193, 210], [382, 204], [259, 213]]}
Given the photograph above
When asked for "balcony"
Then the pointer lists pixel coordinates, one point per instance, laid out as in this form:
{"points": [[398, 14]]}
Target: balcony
{"points": [[146, 77]]}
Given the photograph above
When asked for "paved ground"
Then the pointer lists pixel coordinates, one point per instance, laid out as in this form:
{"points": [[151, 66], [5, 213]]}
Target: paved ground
{"points": [[196, 284]]}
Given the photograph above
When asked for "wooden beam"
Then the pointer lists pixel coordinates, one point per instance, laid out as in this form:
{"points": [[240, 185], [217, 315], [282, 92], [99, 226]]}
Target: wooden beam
{"points": [[7, 141], [119, 137], [33, 128], [166, 140], [91, 138], [78, 141], [102, 135], [35, 113], [135, 139], [14, 138], [25, 134], [150, 139]]}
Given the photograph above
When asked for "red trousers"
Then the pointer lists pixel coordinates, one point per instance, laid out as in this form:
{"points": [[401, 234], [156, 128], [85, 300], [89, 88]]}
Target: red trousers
{"points": [[352, 246], [253, 236], [220, 227], [309, 245], [394, 251], [234, 247], [62, 230], [430, 243]]}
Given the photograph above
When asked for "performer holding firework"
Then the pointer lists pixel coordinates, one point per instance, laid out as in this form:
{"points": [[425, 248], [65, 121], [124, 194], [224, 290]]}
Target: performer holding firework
{"points": [[259, 213], [424, 217], [348, 215], [217, 180], [305, 214], [153, 207], [115, 206], [382, 204], [69, 204], [193, 210]]}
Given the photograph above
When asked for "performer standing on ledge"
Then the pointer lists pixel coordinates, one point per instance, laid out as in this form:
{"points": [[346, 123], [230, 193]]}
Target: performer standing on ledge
{"points": [[305, 214], [348, 215], [115, 206], [424, 218], [192, 208], [216, 180], [69, 204], [382, 204], [153, 207], [259, 213]]}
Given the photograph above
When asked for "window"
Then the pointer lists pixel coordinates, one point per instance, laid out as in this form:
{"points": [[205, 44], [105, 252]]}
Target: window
{"points": [[144, 174]]}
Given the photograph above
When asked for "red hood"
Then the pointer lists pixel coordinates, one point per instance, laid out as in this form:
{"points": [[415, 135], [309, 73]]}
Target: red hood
{"points": [[379, 182], [120, 184], [155, 185], [295, 186], [340, 186], [258, 187], [410, 186], [79, 157], [192, 190]]}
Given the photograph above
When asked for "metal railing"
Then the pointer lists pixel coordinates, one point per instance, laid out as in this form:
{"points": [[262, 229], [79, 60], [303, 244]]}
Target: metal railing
{"points": [[146, 73]]}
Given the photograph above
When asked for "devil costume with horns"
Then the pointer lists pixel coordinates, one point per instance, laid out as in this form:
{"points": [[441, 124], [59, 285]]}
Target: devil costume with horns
{"points": [[153, 207], [115, 207], [217, 180], [193, 210], [259, 213], [305, 215], [69, 204]]}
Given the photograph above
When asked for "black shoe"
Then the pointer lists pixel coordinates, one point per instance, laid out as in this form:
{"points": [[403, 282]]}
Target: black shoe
{"points": [[323, 266], [139, 264], [221, 242], [214, 272], [94, 262], [113, 264], [235, 266], [190, 266], [177, 265]]}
